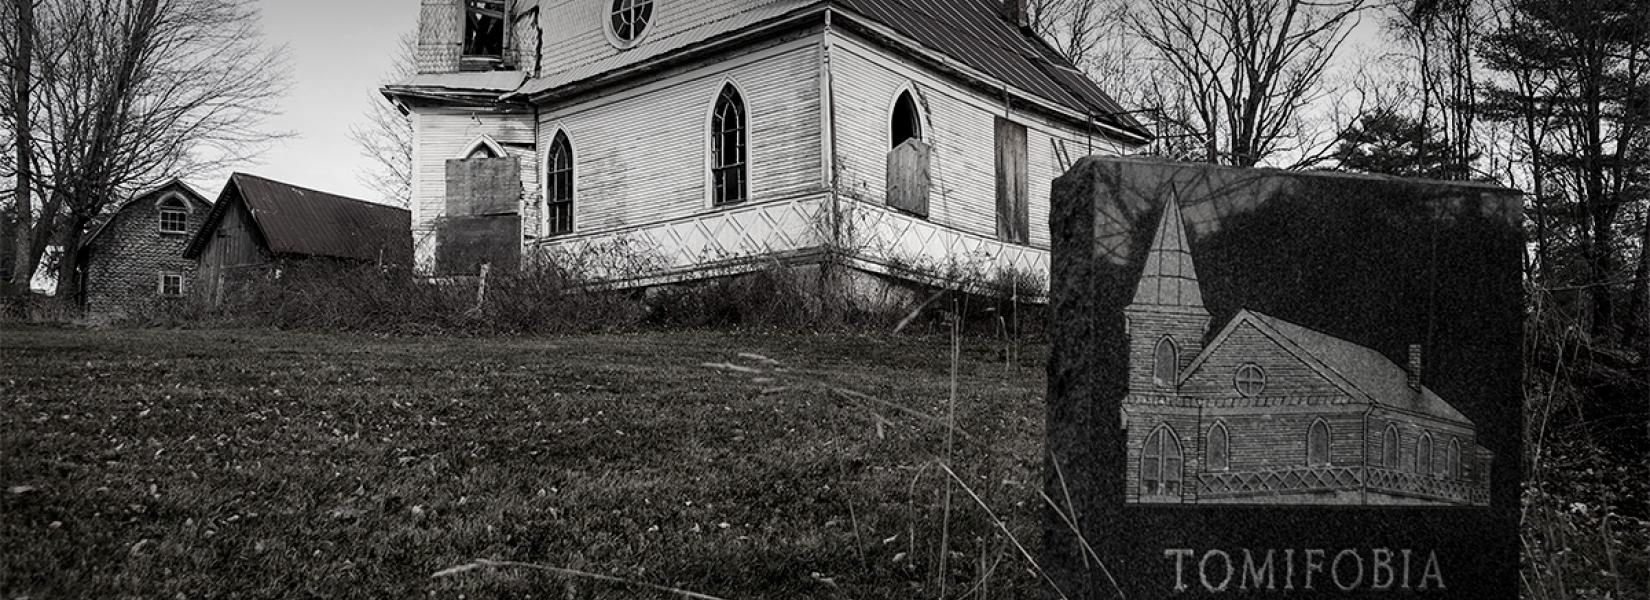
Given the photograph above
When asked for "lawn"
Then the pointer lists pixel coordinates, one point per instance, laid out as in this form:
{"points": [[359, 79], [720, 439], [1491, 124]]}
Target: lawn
{"points": [[251, 464]]}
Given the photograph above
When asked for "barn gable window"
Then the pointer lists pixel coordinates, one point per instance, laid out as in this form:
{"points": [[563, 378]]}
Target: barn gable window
{"points": [[1165, 363], [1423, 454], [558, 186], [1389, 447], [1219, 454], [728, 148], [174, 216], [484, 28], [627, 20], [1452, 459], [1161, 464], [1250, 380], [1317, 444]]}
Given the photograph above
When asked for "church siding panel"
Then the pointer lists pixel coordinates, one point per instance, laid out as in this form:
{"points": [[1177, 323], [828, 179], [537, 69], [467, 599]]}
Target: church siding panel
{"points": [[959, 125], [575, 33], [641, 156]]}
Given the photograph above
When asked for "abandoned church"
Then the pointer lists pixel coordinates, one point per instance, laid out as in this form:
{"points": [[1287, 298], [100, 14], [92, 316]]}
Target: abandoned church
{"points": [[902, 138]]}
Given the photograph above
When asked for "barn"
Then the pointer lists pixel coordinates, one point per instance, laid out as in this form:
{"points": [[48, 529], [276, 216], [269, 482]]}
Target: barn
{"points": [[903, 138], [1270, 412], [133, 262], [258, 225]]}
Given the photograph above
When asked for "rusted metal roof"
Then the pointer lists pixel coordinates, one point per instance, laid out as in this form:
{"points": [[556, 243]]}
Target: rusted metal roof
{"points": [[299, 221]]}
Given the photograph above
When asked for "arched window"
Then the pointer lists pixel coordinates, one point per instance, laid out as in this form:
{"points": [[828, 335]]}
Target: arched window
{"points": [[1423, 454], [1452, 459], [1250, 380], [1218, 456], [174, 215], [727, 148], [558, 186], [1317, 444], [1165, 363], [906, 122], [482, 151], [1160, 464], [1389, 447]]}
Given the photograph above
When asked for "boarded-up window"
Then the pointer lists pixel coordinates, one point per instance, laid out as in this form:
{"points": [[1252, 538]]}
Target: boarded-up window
{"points": [[908, 177], [1013, 213], [483, 224], [1317, 444]]}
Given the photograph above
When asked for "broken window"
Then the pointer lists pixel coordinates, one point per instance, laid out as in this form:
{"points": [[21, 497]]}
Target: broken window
{"points": [[484, 28], [629, 18], [727, 160], [558, 186], [906, 122], [174, 216]]}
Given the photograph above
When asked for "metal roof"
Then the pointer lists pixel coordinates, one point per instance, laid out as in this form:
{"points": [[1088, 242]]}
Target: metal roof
{"points": [[300, 221]]}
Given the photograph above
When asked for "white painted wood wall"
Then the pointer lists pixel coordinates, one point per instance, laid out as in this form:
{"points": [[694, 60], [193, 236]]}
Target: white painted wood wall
{"points": [[440, 134]]}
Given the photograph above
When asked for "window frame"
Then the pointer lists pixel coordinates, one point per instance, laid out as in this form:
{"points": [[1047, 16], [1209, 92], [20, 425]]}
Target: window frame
{"points": [[1391, 451], [550, 171], [503, 34], [713, 149], [172, 204], [919, 114], [1312, 437], [1423, 449], [1157, 363], [160, 284], [648, 23], [1259, 380], [1452, 459], [1163, 436], [1225, 438]]}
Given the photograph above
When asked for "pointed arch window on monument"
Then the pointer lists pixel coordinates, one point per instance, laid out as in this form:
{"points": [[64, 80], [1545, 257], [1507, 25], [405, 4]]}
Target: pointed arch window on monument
{"points": [[1219, 455], [1423, 454], [1452, 460], [1165, 363], [1317, 444], [1389, 447], [1161, 464]]}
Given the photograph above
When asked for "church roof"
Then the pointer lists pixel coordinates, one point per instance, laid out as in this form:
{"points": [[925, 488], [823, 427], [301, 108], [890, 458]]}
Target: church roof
{"points": [[1363, 372], [1169, 280]]}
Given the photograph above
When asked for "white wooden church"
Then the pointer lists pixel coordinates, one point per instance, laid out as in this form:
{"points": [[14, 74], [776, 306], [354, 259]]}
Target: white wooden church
{"points": [[705, 137]]}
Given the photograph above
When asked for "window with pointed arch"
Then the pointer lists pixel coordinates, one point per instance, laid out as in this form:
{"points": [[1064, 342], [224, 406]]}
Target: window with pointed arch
{"points": [[558, 186], [1218, 457], [1389, 447], [1161, 463], [1423, 454], [174, 215], [727, 148], [1317, 444], [1165, 363], [482, 150], [1452, 459], [906, 122]]}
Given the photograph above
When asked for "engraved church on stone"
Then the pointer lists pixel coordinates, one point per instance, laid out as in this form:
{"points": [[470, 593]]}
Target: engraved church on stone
{"points": [[1270, 412]]}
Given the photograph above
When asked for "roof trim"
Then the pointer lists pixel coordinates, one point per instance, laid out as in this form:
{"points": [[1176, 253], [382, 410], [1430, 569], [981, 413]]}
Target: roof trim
{"points": [[1283, 341]]}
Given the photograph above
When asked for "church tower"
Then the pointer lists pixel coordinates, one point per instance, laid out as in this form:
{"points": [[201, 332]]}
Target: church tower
{"points": [[1166, 320], [466, 35]]}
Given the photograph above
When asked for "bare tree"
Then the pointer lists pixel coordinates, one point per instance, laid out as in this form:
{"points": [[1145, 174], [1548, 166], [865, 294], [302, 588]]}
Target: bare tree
{"points": [[124, 95], [386, 137], [1247, 67], [18, 46]]}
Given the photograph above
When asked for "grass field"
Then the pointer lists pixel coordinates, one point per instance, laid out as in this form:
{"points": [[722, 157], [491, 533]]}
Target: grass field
{"points": [[195, 464]]}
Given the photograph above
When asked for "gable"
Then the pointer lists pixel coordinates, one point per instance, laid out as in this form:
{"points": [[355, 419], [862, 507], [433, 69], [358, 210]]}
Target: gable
{"points": [[1213, 373], [144, 206]]}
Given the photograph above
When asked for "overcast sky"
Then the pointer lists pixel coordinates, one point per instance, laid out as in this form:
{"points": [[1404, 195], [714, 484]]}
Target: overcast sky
{"points": [[338, 50]]}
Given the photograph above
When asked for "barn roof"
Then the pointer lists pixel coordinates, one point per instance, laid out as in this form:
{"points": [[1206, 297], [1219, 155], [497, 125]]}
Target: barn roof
{"points": [[300, 221], [1364, 371], [184, 190]]}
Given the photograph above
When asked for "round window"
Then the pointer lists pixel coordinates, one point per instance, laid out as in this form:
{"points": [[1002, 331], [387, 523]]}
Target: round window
{"points": [[1250, 380], [628, 20]]}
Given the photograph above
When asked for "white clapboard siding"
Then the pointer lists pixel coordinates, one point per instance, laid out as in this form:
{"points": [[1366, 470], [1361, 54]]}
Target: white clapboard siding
{"points": [[575, 31], [440, 134], [959, 124], [641, 155]]}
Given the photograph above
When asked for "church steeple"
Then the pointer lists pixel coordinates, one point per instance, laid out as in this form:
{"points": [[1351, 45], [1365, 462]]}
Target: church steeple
{"points": [[1166, 320], [1169, 281]]}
